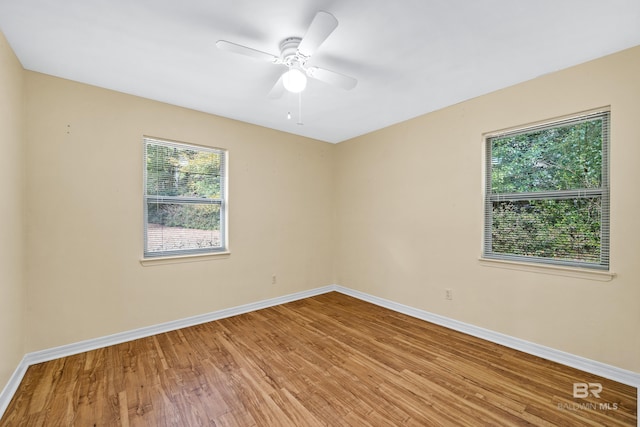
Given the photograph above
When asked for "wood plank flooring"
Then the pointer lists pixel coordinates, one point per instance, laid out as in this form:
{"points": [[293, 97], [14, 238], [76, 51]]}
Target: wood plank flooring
{"points": [[330, 360]]}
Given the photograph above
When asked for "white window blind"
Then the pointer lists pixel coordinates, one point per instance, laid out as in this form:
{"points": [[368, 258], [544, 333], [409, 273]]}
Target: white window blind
{"points": [[184, 199]]}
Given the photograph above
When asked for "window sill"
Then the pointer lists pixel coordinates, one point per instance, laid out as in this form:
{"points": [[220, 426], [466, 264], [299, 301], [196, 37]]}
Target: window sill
{"points": [[580, 273], [146, 262]]}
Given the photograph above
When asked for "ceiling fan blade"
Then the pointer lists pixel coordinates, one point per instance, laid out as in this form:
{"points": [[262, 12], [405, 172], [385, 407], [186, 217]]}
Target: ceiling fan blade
{"points": [[247, 51], [321, 27], [277, 90], [333, 78]]}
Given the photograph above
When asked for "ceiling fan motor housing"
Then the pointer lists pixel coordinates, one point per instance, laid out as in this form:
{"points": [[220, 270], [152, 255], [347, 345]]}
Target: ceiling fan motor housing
{"points": [[289, 52]]}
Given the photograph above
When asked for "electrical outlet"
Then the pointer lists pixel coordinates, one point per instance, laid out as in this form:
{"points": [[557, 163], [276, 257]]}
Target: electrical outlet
{"points": [[274, 279], [448, 294]]}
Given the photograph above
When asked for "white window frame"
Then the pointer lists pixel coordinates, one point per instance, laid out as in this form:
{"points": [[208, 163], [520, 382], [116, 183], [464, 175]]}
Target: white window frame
{"points": [[602, 192], [221, 202]]}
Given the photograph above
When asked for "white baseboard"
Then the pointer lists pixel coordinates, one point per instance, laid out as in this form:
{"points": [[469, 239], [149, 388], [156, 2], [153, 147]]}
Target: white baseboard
{"points": [[92, 344], [587, 365], [607, 371], [12, 385]]}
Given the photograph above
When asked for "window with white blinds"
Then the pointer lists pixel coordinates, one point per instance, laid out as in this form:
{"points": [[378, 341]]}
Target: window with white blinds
{"points": [[547, 193], [184, 199]]}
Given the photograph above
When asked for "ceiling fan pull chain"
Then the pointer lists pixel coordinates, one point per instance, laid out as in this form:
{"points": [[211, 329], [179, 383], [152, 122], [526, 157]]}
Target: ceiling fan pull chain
{"points": [[300, 109]]}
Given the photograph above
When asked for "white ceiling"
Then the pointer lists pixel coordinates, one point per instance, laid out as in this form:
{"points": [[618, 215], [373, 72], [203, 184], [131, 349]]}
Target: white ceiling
{"points": [[410, 56]]}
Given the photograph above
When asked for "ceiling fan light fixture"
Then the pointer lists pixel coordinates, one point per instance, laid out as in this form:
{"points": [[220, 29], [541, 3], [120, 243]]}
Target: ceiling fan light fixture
{"points": [[294, 80]]}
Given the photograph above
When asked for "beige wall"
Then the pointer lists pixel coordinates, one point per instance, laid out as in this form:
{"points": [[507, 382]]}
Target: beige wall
{"points": [[12, 179], [85, 214], [410, 217]]}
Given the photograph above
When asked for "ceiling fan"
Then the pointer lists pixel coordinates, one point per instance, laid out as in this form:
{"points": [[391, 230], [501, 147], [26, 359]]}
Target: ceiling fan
{"points": [[294, 54]]}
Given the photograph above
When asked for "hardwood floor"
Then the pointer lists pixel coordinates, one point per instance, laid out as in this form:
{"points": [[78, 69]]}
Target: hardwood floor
{"points": [[330, 360]]}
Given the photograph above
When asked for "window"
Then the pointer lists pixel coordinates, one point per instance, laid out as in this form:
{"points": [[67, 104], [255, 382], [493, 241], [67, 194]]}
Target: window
{"points": [[184, 199], [547, 193]]}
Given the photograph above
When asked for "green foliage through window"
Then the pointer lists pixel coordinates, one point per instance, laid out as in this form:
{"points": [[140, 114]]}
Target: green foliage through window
{"points": [[547, 196]]}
